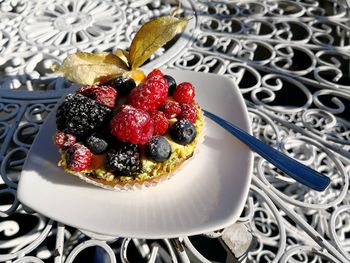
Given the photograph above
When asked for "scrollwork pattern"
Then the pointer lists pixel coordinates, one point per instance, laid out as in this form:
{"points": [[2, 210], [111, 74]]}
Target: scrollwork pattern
{"points": [[340, 227], [8, 110], [307, 254], [43, 34], [298, 49], [65, 24]]}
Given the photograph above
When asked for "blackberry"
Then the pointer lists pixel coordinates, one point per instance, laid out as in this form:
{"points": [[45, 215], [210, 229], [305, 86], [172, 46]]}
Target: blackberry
{"points": [[80, 115], [183, 132], [97, 143], [124, 160], [123, 85], [60, 118], [158, 149], [171, 84]]}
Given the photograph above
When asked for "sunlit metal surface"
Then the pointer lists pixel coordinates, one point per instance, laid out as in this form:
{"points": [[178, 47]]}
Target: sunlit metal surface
{"points": [[291, 62]]}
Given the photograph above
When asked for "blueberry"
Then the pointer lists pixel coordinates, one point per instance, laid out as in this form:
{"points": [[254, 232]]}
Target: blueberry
{"points": [[183, 132], [158, 149], [97, 143], [171, 84], [123, 85]]}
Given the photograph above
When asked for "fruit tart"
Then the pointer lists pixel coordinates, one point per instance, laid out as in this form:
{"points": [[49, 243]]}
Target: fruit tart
{"points": [[120, 135], [122, 129]]}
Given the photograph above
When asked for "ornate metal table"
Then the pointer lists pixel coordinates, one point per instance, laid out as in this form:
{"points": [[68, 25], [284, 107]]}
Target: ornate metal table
{"points": [[290, 60]]}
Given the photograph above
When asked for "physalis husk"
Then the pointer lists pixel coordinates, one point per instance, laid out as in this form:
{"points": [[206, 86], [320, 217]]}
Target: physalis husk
{"points": [[88, 68], [152, 36]]}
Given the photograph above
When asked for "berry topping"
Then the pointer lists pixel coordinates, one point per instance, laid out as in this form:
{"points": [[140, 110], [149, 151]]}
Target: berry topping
{"points": [[158, 149], [150, 94], [183, 132], [188, 112], [78, 157], [97, 143], [155, 73], [160, 122], [80, 115], [184, 93], [132, 125], [60, 118], [103, 94], [171, 109], [123, 85], [64, 140], [124, 160], [171, 84]]}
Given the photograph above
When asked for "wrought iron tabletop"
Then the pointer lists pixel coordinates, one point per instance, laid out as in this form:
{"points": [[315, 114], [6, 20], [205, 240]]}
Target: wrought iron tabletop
{"points": [[291, 61]]}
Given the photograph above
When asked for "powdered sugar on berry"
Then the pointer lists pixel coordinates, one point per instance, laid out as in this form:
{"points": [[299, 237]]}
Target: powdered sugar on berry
{"points": [[132, 125]]}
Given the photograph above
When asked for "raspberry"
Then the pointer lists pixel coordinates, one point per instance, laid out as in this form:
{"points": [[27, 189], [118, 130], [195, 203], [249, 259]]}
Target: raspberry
{"points": [[78, 157], [64, 140], [160, 122], [132, 125], [79, 115], [188, 112], [150, 94], [171, 109], [184, 93], [154, 73], [103, 94], [123, 107]]}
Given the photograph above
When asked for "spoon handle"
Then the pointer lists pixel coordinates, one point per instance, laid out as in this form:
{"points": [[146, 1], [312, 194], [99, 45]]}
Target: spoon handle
{"points": [[298, 171]]}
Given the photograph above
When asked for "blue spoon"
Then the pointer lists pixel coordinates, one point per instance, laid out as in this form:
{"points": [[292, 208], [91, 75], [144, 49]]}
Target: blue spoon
{"points": [[301, 173]]}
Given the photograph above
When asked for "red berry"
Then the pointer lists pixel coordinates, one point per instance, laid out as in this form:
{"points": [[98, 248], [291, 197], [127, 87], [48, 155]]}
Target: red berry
{"points": [[184, 93], [149, 95], [132, 125], [153, 73], [64, 140], [78, 157], [171, 109], [103, 94], [188, 112], [160, 121]]}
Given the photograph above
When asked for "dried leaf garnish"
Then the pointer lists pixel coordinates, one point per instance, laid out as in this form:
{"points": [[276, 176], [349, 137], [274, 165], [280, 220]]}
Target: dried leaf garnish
{"points": [[152, 36], [87, 68], [123, 55]]}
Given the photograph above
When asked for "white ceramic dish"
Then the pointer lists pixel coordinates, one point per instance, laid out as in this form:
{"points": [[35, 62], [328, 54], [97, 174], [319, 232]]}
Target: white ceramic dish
{"points": [[207, 194]]}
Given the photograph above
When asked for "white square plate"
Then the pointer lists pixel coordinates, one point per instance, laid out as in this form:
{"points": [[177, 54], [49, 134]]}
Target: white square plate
{"points": [[207, 194]]}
